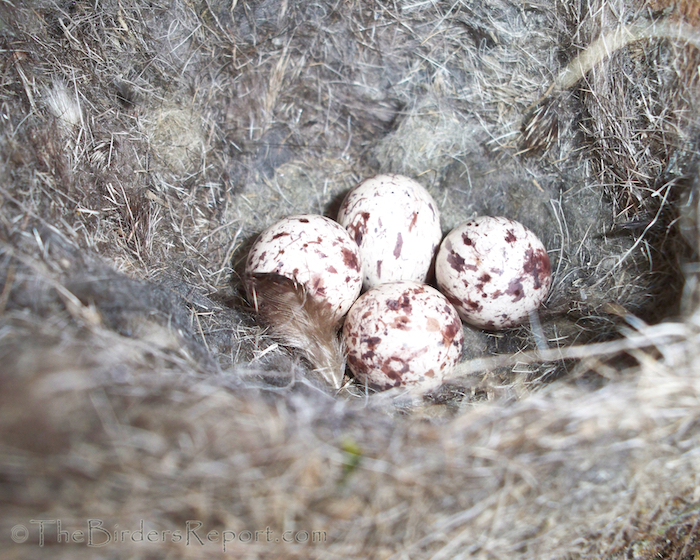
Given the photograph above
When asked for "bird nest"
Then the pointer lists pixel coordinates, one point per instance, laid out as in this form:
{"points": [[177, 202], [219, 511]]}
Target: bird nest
{"points": [[146, 410]]}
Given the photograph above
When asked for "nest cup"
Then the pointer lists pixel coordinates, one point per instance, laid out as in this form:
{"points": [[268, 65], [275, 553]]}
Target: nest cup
{"points": [[143, 144]]}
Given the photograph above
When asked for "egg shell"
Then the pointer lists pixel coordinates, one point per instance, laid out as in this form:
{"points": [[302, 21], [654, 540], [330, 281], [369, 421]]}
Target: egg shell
{"points": [[494, 270], [402, 334], [316, 252], [396, 224]]}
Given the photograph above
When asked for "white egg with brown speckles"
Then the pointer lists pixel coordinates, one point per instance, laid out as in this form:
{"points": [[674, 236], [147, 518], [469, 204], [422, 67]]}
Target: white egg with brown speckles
{"points": [[314, 251], [494, 270], [396, 224], [402, 334]]}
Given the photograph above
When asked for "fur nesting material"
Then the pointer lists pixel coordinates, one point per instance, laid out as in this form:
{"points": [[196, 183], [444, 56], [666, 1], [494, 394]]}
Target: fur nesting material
{"points": [[494, 270], [396, 224], [402, 334]]}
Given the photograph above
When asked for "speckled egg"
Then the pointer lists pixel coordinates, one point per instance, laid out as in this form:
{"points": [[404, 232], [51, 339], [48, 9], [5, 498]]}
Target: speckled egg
{"points": [[316, 252], [402, 334], [494, 270], [396, 224]]}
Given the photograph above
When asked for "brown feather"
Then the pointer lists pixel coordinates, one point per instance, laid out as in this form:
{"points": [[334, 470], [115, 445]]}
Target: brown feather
{"points": [[300, 321]]}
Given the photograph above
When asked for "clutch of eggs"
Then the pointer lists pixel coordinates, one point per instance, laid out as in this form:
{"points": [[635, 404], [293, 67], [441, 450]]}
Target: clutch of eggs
{"points": [[396, 224], [491, 272]]}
